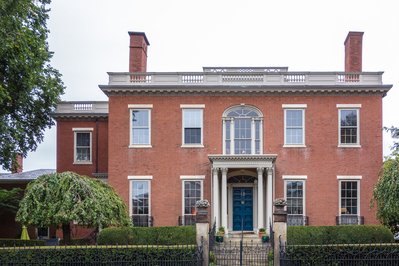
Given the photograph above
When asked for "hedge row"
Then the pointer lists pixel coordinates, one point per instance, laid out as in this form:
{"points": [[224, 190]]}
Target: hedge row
{"points": [[20, 243], [167, 235], [92, 255], [354, 254], [342, 234]]}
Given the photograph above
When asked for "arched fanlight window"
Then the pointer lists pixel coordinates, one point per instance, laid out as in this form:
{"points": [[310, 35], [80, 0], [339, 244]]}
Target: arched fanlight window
{"points": [[242, 130]]}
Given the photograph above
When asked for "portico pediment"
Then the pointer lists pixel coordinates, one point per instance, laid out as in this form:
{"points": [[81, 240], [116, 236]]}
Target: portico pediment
{"points": [[242, 160]]}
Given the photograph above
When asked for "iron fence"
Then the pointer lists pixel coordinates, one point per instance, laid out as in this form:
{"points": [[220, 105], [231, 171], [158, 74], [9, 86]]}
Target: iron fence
{"points": [[295, 219], [187, 220], [142, 220], [349, 219], [242, 253], [103, 255], [342, 255]]}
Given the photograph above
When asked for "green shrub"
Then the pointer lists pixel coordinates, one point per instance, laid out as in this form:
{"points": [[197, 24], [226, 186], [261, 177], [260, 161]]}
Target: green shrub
{"points": [[78, 242], [166, 235], [342, 234], [98, 255], [20, 243]]}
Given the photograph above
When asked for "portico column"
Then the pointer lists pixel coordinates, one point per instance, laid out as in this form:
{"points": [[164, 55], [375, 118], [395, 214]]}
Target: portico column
{"points": [[216, 213], [269, 209], [260, 197], [224, 198]]}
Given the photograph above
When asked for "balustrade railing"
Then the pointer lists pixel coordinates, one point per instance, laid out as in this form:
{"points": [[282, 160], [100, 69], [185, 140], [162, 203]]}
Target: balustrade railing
{"points": [[297, 219], [140, 220], [349, 219], [187, 220]]}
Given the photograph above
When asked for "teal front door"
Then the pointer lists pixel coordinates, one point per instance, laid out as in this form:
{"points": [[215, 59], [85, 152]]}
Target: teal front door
{"points": [[242, 209]]}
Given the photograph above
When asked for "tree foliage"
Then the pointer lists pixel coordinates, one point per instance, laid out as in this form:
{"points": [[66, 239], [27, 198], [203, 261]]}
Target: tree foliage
{"points": [[61, 198], [9, 199], [386, 193], [29, 87]]}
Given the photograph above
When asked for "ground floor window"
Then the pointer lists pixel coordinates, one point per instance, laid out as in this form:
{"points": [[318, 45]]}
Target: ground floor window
{"points": [[140, 191], [349, 201], [192, 192], [295, 196]]}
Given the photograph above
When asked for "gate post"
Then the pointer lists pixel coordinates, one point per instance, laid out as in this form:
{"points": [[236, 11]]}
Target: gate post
{"points": [[202, 229], [280, 228]]}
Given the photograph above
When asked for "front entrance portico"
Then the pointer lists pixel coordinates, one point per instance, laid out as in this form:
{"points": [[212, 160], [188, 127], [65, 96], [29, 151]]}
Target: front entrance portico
{"points": [[239, 191]]}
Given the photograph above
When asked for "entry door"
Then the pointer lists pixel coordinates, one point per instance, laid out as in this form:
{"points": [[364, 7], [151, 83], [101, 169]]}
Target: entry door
{"points": [[242, 209]]}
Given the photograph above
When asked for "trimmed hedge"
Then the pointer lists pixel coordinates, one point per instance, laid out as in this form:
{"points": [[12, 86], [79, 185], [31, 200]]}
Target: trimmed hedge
{"points": [[166, 235], [342, 234], [99, 255], [20, 243]]}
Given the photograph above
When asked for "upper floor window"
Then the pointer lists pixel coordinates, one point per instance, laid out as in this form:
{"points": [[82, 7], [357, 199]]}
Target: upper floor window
{"points": [[82, 145], [192, 125], [348, 125], [242, 130], [140, 117], [294, 124]]}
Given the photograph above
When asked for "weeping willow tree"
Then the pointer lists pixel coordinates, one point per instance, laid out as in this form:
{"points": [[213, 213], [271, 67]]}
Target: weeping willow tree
{"points": [[9, 199], [386, 191], [61, 198]]}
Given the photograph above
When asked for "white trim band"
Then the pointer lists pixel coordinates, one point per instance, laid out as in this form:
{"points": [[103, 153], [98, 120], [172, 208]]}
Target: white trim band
{"points": [[82, 129], [192, 106], [295, 177], [192, 177], [139, 177], [349, 177], [294, 106], [139, 106], [349, 106]]}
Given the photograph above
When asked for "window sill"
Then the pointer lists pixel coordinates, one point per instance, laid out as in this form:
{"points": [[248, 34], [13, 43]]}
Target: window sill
{"points": [[349, 146], [192, 146], [83, 162], [140, 146], [294, 146]]}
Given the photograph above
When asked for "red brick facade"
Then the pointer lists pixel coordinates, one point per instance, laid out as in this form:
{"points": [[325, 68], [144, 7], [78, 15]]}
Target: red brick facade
{"points": [[321, 159]]}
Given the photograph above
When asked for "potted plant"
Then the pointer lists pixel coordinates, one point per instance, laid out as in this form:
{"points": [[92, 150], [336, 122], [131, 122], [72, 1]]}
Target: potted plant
{"points": [[220, 234], [263, 235]]}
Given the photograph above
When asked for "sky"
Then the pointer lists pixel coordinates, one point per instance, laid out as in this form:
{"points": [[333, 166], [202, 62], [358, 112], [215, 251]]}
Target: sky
{"points": [[89, 38]]}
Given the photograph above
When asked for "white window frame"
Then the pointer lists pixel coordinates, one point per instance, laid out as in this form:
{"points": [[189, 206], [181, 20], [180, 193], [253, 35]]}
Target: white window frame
{"points": [[295, 107], [43, 237], [355, 107], [132, 107], [349, 178], [134, 178], [302, 178], [226, 119], [77, 130], [185, 178], [201, 108]]}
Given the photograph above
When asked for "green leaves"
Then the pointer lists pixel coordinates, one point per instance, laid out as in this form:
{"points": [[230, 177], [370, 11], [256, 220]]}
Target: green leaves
{"points": [[65, 197], [29, 87], [386, 193], [9, 199]]}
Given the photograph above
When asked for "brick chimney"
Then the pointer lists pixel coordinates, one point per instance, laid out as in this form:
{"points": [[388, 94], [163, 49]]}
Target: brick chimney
{"points": [[353, 51], [138, 52], [18, 168]]}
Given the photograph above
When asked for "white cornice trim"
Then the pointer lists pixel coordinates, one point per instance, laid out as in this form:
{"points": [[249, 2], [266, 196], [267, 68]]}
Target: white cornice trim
{"points": [[192, 106], [139, 177], [139, 106], [349, 105]]}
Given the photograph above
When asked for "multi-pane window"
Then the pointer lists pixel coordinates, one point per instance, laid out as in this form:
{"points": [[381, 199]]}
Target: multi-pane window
{"points": [[349, 126], [140, 197], [294, 127], [192, 193], [349, 197], [295, 194], [82, 147], [141, 126], [242, 130], [192, 126]]}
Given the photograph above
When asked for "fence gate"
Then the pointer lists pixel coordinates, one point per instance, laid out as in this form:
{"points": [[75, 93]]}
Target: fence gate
{"points": [[239, 251]]}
